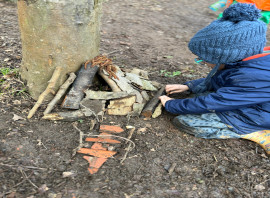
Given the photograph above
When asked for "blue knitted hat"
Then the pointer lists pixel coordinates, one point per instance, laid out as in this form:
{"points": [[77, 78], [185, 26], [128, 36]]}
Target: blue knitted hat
{"points": [[237, 35]]}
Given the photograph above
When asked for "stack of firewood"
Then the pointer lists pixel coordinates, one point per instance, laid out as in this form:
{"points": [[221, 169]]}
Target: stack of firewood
{"points": [[130, 93]]}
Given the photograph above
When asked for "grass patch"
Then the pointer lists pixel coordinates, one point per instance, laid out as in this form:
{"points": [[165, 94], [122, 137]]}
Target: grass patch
{"points": [[10, 84]]}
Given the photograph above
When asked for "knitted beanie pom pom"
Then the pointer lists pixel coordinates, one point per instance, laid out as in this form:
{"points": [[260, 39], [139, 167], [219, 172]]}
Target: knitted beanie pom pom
{"points": [[241, 12]]}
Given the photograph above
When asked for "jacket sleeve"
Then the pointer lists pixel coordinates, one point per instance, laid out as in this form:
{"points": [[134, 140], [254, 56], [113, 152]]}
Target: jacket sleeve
{"points": [[193, 83], [224, 99]]}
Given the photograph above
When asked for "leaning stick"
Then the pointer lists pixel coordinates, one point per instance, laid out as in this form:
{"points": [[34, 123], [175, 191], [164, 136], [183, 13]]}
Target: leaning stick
{"points": [[151, 105], [49, 89], [110, 82], [60, 93]]}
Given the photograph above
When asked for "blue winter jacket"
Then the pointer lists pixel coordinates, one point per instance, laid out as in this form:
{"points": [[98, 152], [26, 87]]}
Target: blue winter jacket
{"points": [[240, 97]]}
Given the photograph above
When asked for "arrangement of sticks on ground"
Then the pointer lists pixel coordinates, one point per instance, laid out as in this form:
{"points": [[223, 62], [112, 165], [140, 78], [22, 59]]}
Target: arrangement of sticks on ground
{"points": [[99, 87], [102, 147]]}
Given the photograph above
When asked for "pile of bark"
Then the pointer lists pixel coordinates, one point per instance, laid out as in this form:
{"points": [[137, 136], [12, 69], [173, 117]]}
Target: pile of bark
{"points": [[127, 92]]}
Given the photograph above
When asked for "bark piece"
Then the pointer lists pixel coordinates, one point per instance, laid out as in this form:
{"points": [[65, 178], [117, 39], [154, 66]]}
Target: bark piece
{"points": [[121, 106], [141, 83], [97, 153], [134, 78], [92, 106], [158, 111], [104, 95], [141, 73], [157, 84], [60, 93], [147, 85], [152, 104], [110, 129], [145, 95], [124, 85], [83, 81], [137, 109], [65, 116], [49, 89]]}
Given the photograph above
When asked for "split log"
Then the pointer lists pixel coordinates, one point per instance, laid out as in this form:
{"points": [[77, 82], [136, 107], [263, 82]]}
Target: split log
{"points": [[121, 106], [49, 89], [83, 81], [152, 104], [104, 95], [60, 93], [110, 82]]}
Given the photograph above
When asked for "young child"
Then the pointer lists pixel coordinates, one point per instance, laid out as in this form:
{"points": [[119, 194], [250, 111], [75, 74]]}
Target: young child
{"points": [[233, 101]]}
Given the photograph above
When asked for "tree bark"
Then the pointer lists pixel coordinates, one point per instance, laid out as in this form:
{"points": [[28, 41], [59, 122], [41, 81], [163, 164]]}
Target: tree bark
{"points": [[63, 33]]}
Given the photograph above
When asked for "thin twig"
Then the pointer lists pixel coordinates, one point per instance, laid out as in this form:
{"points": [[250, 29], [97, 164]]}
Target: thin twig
{"points": [[130, 134], [80, 140], [129, 145], [171, 169], [25, 176], [29, 167]]}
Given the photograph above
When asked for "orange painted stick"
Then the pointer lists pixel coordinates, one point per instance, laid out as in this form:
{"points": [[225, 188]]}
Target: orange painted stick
{"points": [[110, 129], [97, 153], [103, 140]]}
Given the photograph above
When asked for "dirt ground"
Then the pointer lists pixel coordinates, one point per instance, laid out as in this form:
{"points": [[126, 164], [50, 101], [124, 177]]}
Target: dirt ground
{"points": [[150, 35]]}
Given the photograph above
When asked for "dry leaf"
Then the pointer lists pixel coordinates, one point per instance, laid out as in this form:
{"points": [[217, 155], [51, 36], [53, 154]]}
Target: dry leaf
{"points": [[142, 130], [16, 117], [259, 187], [43, 188], [68, 174]]}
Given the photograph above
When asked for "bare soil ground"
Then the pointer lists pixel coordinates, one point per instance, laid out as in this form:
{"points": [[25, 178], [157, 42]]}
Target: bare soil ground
{"points": [[150, 35]]}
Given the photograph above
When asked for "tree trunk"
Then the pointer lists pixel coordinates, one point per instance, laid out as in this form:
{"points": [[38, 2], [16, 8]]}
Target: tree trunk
{"points": [[56, 33]]}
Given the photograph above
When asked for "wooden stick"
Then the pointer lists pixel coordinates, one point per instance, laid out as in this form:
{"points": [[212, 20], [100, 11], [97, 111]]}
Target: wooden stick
{"points": [[129, 145], [104, 95], [65, 116], [152, 104], [110, 82], [60, 93], [49, 89], [81, 144], [83, 81]]}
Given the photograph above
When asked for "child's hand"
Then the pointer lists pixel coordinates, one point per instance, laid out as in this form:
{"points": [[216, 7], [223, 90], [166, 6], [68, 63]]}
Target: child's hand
{"points": [[176, 88], [164, 99]]}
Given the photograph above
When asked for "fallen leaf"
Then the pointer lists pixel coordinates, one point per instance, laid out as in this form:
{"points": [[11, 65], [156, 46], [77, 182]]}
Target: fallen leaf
{"points": [[142, 130], [17, 102], [68, 174], [16, 117], [259, 187], [43, 188]]}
